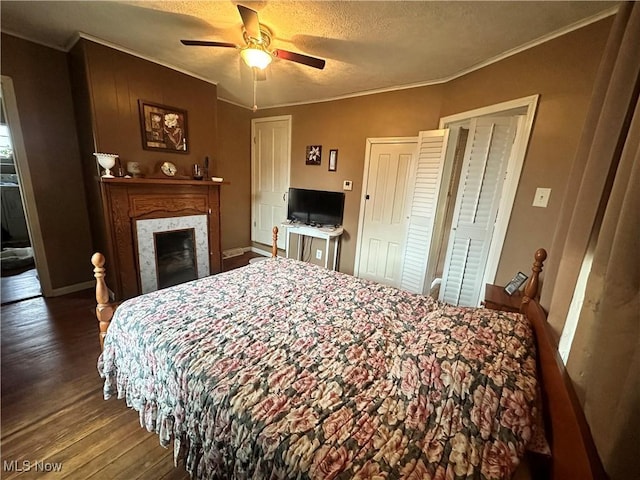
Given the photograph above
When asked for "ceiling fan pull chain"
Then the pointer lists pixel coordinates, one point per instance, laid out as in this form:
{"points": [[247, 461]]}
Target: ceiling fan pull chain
{"points": [[255, 84]]}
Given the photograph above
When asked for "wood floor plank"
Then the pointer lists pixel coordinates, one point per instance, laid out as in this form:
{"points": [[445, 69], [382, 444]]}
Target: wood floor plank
{"points": [[19, 286], [138, 462], [66, 426], [81, 453]]}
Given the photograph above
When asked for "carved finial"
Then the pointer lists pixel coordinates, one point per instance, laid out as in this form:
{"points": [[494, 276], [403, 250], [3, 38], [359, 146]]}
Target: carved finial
{"points": [[274, 242], [97, 260], [540, 256], [531, 288]]}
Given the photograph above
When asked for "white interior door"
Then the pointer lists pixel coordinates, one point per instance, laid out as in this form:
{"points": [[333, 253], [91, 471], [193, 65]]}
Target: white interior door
{"points": [[483, 171], [383, 216], [270, 161]]}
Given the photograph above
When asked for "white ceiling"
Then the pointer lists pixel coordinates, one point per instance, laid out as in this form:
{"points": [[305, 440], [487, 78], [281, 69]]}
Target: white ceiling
{"points": [[368, 46]]}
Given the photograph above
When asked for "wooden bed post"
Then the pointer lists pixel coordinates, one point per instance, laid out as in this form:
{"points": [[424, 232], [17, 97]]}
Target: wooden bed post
{"points": [[104, 310], [274, 242], [532, 285]]}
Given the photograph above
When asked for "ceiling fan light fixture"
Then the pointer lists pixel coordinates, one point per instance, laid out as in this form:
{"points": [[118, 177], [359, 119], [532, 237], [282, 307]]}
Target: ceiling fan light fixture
{"points": [[256, 57]]}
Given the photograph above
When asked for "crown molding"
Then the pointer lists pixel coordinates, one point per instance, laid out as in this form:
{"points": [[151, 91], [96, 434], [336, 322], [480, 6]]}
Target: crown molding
{"points": [[526, 46], [86, 36]]}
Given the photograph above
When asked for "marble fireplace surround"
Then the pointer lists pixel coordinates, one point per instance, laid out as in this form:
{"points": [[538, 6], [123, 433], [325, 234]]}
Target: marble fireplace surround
{"points": [[145, 230]]}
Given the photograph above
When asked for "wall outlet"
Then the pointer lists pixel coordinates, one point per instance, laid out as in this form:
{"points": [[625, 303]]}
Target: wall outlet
{"points": [[542, 197], [347, 185], [319, 254]]}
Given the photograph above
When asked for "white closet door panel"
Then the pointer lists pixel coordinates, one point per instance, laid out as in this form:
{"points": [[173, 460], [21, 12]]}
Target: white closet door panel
{"points": [[483, 171], [385, 216], [422, 207]]}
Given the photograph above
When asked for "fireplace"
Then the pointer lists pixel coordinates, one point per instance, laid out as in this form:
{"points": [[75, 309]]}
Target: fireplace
{"points": [[172, 250], [138, 211], [175, 257]]}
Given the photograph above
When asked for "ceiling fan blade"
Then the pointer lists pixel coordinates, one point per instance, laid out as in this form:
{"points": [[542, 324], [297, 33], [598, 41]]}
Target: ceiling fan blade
{"points": [[300, 58], [250, 21], [205, 43]]}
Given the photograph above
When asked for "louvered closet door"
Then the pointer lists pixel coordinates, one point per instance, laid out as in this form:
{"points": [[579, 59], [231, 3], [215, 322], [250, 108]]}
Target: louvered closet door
{"points": [[483, 171], [423, 198]]}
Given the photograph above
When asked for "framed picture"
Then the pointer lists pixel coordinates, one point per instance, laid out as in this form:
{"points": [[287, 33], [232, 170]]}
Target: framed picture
{"points": [[314, 154], [333, 160], [515, 283], [163, 128]]}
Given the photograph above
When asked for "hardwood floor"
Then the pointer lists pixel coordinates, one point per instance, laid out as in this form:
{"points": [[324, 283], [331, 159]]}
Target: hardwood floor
{"points": [[53, 411], [20, 286]]}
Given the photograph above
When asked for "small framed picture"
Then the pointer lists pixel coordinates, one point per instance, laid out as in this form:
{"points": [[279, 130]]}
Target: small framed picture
{"points": [[314, 154], [515, 283], [333, 160]]}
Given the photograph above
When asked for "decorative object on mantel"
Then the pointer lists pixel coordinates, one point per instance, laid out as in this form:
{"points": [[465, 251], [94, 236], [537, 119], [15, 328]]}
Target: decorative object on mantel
{"points": [[217, 179], [118, 171], [163, 128], [106, 161], [134, 169], [314, 154], [197, 171], [333, 160], [169, 169]]}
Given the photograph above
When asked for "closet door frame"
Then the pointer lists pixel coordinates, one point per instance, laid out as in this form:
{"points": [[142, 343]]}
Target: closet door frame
{"points": [[512, 178]]}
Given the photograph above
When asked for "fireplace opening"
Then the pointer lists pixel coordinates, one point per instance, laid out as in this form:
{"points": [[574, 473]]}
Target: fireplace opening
{"points": [[175, 257]]}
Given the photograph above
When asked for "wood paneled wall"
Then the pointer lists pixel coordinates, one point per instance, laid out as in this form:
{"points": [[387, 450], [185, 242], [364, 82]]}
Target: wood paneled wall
{"points": [[107, 85]]}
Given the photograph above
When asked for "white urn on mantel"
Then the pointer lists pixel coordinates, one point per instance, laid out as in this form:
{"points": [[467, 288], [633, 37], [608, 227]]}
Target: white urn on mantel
{"points": [[106, 161]]}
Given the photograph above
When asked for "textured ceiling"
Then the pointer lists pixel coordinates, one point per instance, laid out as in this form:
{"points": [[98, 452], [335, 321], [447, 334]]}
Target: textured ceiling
{"points": [[368, 46]]}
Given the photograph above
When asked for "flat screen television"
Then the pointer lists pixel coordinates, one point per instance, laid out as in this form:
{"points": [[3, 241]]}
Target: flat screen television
{"points": [[315, 207]]}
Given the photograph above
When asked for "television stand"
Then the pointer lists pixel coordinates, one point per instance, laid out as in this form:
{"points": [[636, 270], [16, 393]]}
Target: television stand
{"points": [[328, 234]]}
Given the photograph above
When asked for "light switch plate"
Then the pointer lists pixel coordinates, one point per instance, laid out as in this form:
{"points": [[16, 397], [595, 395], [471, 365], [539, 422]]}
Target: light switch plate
{"points": [[319, 254], [347, 185], [542, 197]]}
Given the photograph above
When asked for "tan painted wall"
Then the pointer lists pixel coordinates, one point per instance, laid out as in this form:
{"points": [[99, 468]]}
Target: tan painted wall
{"points": [[233, 163], [345, 125], [41, 80], [562, 71]]}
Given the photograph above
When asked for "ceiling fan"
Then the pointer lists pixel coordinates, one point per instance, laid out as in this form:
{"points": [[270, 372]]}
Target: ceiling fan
{"points": [[255, 52]]}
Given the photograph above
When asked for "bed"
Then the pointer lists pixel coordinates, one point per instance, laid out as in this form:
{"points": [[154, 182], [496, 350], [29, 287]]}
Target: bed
{"points": [[283, 369]]}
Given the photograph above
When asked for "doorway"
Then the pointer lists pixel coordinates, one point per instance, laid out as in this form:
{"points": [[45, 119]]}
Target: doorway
{"points": [[467, 250], [270, 167], [19, 276], [383, 218]]}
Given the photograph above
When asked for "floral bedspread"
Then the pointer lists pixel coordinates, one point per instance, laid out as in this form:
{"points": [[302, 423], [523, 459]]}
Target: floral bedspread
{"points": [[286, 370]]}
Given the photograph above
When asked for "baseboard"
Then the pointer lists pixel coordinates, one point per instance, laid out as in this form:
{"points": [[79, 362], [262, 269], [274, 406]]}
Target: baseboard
{"points": [[235, 252], [56, 292]]}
